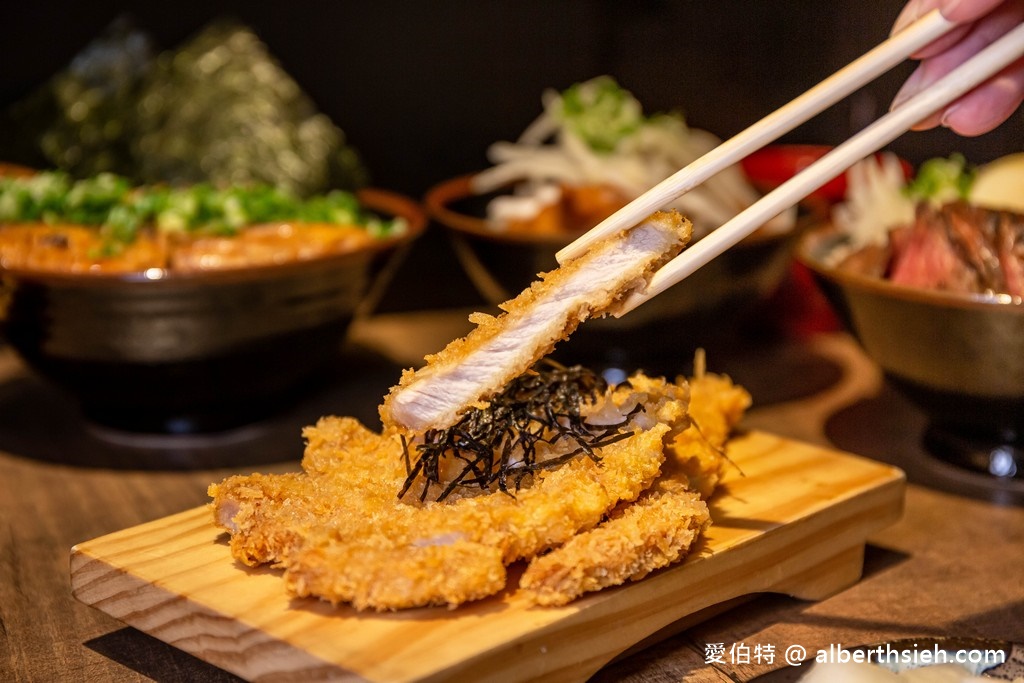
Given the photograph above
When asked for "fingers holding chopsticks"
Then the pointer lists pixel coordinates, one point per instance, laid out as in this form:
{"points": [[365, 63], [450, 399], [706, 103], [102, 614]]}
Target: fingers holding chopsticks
{"points": [[982, 22]]}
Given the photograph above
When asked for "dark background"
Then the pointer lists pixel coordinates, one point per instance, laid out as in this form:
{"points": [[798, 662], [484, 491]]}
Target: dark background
{"points": [[422, 88]]}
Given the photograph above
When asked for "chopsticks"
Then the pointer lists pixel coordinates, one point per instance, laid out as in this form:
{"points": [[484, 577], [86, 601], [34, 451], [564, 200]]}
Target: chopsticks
{"points": [[886, 129], [979, 68], [834, 88]]}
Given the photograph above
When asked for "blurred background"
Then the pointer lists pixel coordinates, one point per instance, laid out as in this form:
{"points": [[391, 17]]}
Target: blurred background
{"points": [[421, 89]]}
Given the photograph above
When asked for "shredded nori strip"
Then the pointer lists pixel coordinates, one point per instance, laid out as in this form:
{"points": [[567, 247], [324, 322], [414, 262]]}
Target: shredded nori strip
{"points": [[497, 444]]}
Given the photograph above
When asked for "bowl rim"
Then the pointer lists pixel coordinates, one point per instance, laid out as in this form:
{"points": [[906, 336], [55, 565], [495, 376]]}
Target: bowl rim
{"points": [[438, 198], [806, 253], [375, 199]]}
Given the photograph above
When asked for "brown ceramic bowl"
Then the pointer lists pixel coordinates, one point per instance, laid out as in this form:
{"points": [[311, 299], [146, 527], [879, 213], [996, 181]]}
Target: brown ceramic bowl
{"points": [[657, 336], [195, 352], [958, 357]]}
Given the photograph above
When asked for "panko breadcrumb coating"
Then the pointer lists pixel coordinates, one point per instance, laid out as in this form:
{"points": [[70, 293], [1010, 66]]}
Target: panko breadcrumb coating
{"points": [[346, 506], [653, 532], [659, 528], [339, 531]]}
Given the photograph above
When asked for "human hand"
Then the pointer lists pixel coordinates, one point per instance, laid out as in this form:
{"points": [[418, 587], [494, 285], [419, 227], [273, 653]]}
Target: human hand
{"points": [[981, 22]]}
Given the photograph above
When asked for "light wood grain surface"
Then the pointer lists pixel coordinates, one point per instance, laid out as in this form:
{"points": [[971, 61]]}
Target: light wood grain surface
{"points": [[794, 522], [951, 566]]}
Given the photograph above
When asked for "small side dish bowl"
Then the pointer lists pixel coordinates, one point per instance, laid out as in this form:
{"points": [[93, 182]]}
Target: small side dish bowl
{"points": [[160, 351], [956, 356]]}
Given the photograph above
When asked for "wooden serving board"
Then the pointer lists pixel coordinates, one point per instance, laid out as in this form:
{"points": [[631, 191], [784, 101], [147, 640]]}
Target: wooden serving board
{"points": [[795, 521]]}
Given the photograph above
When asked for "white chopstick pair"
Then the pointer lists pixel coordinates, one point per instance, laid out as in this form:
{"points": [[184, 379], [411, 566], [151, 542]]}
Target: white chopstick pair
{"points": [[896, 49]]}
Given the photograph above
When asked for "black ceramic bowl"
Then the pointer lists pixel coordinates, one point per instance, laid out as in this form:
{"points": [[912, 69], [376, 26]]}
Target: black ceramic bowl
{"points": [[958, 357], [175, 352]]}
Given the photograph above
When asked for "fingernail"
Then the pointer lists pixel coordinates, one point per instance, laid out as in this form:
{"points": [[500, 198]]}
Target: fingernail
{"points": [[946, 121], [911, 13], [948, 7], [911, 87]]}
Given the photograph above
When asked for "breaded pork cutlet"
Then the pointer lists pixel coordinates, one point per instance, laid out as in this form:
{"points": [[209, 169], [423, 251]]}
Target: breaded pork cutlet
{"points": [[487, 458], [341, 532]]}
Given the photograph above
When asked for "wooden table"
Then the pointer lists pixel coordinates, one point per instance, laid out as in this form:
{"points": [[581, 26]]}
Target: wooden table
{"points": [[951, 567]]}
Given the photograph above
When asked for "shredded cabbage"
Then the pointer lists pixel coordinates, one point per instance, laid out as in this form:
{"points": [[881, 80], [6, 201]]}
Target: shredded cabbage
{"points": [[595, 133]]}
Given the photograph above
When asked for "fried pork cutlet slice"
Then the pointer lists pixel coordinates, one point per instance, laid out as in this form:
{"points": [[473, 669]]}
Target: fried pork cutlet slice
{"points": [[477, 366], [654, 532], [659, 528]]}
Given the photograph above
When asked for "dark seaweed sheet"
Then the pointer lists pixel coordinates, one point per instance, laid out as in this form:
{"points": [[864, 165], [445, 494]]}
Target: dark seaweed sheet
{"points": [[219, 109], [82, 119]]}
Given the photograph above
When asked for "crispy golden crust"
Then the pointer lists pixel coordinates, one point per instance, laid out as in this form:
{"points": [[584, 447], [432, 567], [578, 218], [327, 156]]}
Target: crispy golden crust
{"points": [[345, 464], [397, 577], [250, 508], [654, 532], [716, 407], [478, 365], [341, 534], [478, 534], [659, 528]]}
